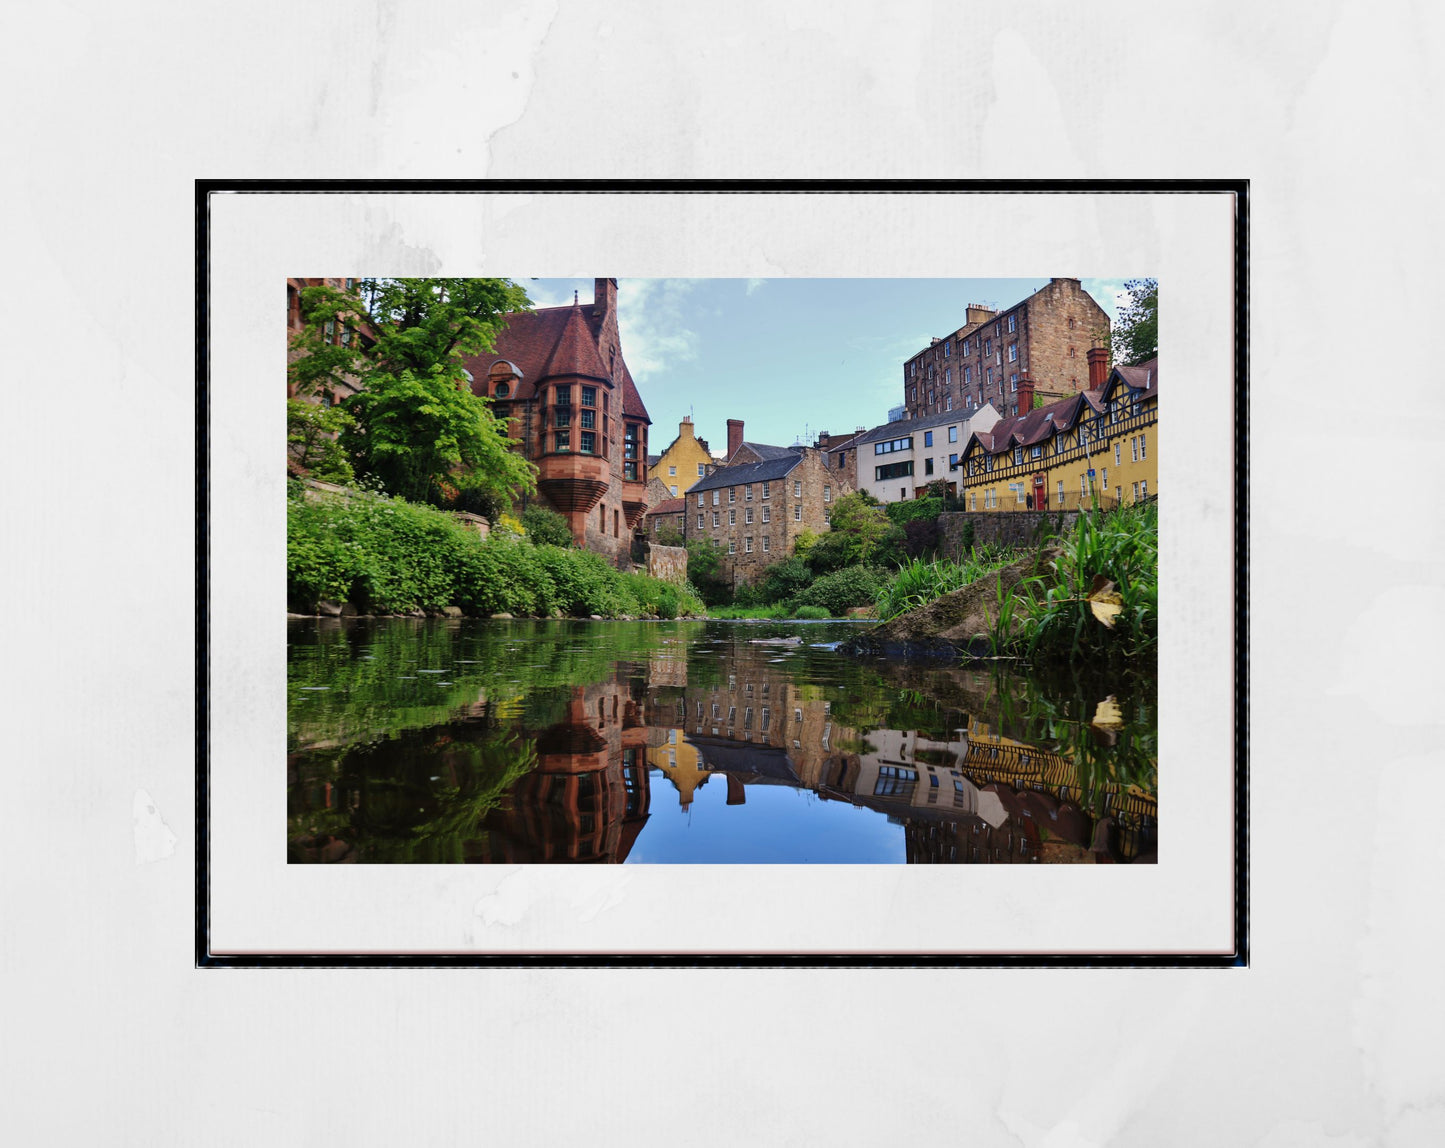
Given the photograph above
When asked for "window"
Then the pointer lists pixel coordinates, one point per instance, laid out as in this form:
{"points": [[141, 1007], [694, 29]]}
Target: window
{"points": [[1071, 352], [748, 545], [967, 376], [1060, 445], [562, 440], [1134, 489], [732, 494], [913, 395], [827, 493], [973, 500], [1116, 454], [1061, 493], [1133, 449], [732, 546], [952, 462], [828, 515], [797, 490], [715, 519], [1013, 383], [928, 438], [699, 521], [673, 490], [948, 376], [988, 375], [749, 517], [701, 470], [589, 420], [948, 402], [589, 396], [1071, 324], [988, 346], [1105, 475], [1036, 452], [893, 445], [798, 513], [563, 396], [1142, 452], [1013, 352], [700, 497], [1143, 488], [902, 493], [1013, 324], [894, 470], [928, 466], [748, 492], [930, 396], [952, 434], [1018, 456], [716, 497], [732, 517], [672, 472], [562, 417], [946, 349], [767, 489], [766, 515], [766, 540]]}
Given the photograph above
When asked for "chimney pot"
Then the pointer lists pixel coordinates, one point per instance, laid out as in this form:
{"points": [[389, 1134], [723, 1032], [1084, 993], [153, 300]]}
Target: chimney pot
{"points": [[735, 436], [1098, 367]]}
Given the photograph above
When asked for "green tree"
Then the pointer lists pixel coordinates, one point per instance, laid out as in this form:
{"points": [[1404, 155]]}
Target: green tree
{"points": [[402, 342], [861, 532], [1135, 335], [311, 431]]}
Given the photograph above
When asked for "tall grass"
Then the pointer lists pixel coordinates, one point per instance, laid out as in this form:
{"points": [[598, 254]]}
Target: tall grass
{"points": [[920, 582], [1122, 547]]}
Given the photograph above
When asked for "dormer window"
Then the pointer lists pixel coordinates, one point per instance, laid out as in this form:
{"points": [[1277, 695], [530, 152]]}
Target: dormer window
{"points": [[503, 390]]}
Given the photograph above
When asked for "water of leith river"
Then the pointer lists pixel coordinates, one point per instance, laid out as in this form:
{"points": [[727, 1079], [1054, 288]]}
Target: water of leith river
{"points": [[528, 742]]}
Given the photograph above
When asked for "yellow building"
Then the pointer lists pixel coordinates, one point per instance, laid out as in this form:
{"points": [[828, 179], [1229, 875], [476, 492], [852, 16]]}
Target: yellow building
{"points": [[1100, 444], [685, 460]]}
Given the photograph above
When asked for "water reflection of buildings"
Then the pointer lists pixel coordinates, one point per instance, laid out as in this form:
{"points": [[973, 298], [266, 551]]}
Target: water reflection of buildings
{"points": [[587, 799], [978, 797]]}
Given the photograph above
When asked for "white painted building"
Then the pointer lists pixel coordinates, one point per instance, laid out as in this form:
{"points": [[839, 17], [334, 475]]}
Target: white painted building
{"points": [[898, 460]]}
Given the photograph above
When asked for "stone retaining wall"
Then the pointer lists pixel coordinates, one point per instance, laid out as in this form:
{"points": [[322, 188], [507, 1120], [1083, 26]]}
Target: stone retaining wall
{"points": [[1016, 528], [668, 563]]}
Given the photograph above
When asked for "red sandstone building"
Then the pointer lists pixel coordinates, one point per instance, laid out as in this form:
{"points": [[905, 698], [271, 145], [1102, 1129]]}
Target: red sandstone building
{"points": [[558, 375], [1044, 338]]}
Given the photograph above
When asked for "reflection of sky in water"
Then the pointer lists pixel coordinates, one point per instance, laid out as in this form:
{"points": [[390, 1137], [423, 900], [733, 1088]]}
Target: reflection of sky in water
{"points": [[778, 824]]}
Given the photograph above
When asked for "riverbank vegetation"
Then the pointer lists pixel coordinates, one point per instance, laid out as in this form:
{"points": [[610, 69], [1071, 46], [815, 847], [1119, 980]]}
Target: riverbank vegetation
{"points": [[389, 556]]}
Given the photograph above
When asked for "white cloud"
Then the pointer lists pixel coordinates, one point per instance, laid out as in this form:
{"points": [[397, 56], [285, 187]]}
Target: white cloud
{"points": [[544, 297], [754, 284], [651, 321]]}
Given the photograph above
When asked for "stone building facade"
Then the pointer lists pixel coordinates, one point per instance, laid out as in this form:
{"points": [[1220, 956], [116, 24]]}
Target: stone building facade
{"points": [[558, 375], [1043, 338], [753, 511], [338, 333]]}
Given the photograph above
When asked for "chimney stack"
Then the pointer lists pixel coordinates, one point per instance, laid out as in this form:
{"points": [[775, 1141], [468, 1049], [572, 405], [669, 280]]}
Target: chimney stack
{"points": [[1026, 393], [1098, 367], [604, 297], [735, 436]]}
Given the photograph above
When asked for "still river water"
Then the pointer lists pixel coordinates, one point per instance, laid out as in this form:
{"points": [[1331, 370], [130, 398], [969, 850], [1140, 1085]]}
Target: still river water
{"points": [[604, 742]]}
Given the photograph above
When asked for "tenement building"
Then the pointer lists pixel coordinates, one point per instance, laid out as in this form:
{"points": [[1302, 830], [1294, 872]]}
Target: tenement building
{"points": [[900, 460], [754, 510], [558, 375], [1043, 339], [1098, 447]]}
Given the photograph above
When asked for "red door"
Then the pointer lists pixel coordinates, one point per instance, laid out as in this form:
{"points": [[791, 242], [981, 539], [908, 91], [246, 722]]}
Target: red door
{"points": [[1039, 494]]}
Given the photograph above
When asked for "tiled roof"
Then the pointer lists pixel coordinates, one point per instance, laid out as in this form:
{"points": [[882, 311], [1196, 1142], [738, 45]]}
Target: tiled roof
{"points": [[670, 506], [1144, 377], [908, 426], [575, 352], [631, 401], [767, 453], [766, 471]]}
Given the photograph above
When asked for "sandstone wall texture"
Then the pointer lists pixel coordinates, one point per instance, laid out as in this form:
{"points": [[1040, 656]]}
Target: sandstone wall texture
{"points": [[1004, 528], [668, 563]]}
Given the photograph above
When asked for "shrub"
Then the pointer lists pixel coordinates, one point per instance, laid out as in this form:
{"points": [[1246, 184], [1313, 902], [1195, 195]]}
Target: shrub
{"points": [[810, 613], [784, 580], [546, 527], [840, 591], [902, 513]]}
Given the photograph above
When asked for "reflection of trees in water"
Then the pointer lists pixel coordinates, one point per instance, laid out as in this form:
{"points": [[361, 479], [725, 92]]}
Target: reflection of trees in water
{"points": [[982, 766]]}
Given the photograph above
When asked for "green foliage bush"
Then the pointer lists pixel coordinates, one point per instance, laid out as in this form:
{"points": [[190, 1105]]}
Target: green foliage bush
{"points": [[546, 527], [840, 591], [387, 556], [811, 613], [902, 513]]}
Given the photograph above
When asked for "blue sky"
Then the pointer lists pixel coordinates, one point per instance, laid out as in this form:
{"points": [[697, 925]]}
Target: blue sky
{"points": [[791, 357]]}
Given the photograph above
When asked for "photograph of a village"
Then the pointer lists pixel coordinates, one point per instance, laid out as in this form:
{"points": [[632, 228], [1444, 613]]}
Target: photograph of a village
{"points": [[722, 571]]}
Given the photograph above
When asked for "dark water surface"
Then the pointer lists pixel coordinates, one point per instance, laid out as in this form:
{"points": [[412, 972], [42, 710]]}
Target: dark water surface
{"points": [[524, 742]]}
